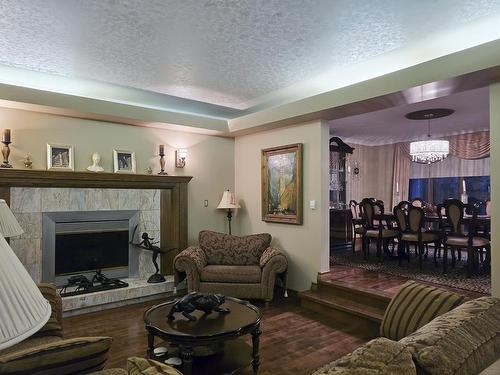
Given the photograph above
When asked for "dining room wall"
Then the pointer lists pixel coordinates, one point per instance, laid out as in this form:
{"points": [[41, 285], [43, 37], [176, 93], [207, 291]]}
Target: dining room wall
{"points": [[376, 169]]}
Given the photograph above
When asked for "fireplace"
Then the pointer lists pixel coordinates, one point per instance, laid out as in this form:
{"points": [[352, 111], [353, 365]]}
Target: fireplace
{"points": [[81, 242]]}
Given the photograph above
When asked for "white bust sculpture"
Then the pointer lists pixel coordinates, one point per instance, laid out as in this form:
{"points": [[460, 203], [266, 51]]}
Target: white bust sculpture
{"points": [[95, 167]]}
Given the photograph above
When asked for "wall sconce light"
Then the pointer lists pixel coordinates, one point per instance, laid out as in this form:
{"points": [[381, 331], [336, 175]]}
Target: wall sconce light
{"points": [[180, 158]]}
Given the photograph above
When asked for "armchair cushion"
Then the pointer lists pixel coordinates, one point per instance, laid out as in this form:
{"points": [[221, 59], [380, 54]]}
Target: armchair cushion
{"points": [[54, 325], [71, 356], [231, 274], [225, 249]]}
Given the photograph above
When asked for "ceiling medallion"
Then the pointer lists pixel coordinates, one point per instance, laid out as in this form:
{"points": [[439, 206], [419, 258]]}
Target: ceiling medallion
{"points": [[431, 150]]}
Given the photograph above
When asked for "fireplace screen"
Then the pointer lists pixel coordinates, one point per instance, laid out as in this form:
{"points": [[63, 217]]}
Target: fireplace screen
{"points": [[88, 251]]}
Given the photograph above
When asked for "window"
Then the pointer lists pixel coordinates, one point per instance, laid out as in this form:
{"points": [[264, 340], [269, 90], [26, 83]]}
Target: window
{"points": [[437, 190]]}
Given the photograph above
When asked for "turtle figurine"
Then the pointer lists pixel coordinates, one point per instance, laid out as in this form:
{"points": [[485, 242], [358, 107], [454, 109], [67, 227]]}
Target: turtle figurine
{"points": [[206, 302]]}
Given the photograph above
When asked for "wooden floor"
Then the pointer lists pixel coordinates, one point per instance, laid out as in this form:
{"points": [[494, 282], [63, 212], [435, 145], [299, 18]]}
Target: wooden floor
{"points": [[294, 340], [381, 283]]}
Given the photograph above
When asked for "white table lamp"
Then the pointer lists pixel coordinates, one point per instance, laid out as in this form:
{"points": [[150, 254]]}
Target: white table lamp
{"points": [[228, 202], [23, 310]]}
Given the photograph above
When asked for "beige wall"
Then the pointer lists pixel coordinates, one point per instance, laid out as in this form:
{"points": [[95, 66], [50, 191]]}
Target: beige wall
{"points": [[376, 165], [495, 187], [306, 245], [210, 159]]}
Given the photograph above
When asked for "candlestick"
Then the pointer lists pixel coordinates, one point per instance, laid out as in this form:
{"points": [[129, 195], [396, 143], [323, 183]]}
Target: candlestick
{"points": [[6, 153], [6, 135], [162, 150], [162, 162]]}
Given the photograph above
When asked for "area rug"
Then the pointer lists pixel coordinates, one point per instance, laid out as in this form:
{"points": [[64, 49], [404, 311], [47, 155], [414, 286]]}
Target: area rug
{"points": [[455, 277]]}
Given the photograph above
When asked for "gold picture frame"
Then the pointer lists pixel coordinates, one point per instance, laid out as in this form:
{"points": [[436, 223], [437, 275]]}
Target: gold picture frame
{"points": [[281, 174]]}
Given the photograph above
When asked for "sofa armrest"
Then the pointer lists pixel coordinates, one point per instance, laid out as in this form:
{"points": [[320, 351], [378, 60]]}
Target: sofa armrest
{"points": [[189, 263], [54, 326], [71, 356], [271, 253]]}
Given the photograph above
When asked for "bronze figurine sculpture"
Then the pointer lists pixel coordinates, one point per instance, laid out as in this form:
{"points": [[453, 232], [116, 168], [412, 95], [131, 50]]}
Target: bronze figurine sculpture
{"points": [[206, 302], [147, 244]]}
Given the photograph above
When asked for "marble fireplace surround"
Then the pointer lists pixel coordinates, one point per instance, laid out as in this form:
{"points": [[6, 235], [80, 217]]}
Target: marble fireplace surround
{"points": [[160, 200]]}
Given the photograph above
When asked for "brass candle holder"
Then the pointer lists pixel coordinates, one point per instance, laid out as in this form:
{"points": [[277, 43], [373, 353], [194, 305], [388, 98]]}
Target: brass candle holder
{"points": [[6, 153], [162, 165]]}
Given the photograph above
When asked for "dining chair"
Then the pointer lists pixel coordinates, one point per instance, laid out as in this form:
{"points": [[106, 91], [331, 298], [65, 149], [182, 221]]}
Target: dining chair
{"points": [[400, 212], [374, 230], [417, 234], [357, 223], [457, 239]]}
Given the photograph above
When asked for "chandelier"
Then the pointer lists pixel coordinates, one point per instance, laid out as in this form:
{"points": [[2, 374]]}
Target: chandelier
{"points": [[431, 150]]}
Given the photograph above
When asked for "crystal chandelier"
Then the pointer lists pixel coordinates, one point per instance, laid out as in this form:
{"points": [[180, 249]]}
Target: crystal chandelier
{"points": [[431, 150]]}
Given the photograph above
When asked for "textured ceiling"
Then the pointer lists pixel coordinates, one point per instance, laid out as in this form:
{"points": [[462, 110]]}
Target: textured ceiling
{"points": [[390, 125], [226, 52]]}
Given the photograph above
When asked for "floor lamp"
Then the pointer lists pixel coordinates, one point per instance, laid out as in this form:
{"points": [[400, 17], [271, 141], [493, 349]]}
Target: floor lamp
{"points": [[228, 202], [23, 310]]}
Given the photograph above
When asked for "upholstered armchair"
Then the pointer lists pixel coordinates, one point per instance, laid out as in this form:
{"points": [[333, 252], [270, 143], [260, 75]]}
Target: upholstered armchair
{"points": [[241, 267]]}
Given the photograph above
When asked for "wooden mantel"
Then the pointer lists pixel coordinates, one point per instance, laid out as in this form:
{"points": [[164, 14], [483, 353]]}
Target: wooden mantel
{"points": [[173, 198]]}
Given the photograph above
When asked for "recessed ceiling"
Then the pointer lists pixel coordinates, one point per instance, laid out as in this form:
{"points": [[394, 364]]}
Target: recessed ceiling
{"points": [[391, 126], [230, 53]]}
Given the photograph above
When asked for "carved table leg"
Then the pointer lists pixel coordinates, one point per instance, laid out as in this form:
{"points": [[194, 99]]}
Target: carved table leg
{"points": [[255, 349], [151, 345], [187, 360]]}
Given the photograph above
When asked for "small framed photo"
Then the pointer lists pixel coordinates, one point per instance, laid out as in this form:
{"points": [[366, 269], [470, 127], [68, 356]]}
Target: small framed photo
{"points": [[60, 157], [124, 161]]}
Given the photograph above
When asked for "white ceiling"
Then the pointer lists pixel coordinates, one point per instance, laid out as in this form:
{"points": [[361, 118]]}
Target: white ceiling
{"points": [[235, 53], [391, 126]]}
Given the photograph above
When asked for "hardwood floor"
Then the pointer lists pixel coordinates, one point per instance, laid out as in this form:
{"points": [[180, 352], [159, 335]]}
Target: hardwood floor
{"points": [[294, 340]]}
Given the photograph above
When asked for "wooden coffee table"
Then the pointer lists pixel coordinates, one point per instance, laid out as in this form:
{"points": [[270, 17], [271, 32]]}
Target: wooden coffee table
{"points": [[204, 345]]}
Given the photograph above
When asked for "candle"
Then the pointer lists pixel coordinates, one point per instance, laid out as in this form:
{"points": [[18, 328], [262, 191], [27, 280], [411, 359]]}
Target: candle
{"points": [[397, 187], [162, 149], [463, 184], [6, 135]]}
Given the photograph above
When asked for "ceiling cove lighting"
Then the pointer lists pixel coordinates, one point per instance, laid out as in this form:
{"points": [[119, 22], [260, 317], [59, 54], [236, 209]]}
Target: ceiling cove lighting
{"points": [[431, 150]]}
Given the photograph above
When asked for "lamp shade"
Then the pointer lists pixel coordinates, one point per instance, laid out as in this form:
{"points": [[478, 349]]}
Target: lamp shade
{"points": [[23, 310], [228, 201], [9, 227]]}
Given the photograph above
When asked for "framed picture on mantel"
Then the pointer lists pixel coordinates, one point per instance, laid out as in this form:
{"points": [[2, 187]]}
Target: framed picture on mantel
{"points": [[60, 157], [281, 176]]}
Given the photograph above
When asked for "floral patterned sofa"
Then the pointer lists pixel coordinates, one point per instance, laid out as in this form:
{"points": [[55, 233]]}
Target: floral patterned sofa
{"points": [[427, 333], [242, 267]]}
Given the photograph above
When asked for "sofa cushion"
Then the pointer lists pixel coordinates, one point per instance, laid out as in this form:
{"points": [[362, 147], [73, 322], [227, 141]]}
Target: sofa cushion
{"points": [[463, 341], [61, 357], [111, 371], [142, 366], [231, 274], [377, 357], [413, 306], [493, 369], [224, 249]]}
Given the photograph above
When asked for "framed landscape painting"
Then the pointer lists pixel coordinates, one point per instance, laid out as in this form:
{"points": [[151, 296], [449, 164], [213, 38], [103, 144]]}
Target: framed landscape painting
{"points": [[282, 184]]}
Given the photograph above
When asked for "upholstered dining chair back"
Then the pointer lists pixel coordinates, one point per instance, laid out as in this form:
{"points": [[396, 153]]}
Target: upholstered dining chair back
{"points": [[418, 202], [488, 207], [415, 219], [355, 209], [400, 215], [368, 212], [454, 209], [378, 207]]}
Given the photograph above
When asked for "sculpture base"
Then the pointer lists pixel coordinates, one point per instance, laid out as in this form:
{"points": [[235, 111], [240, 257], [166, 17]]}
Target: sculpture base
{"points": [[163, 173], [156, 278], [5, 165]]}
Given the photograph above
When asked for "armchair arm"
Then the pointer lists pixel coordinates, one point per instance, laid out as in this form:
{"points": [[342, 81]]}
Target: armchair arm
{"points": [[273, 262], [189, 263]]}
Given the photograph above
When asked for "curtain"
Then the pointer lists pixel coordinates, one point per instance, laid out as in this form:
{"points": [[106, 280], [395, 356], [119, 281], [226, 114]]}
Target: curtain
{"points": [[470, 146], [401, 173]]}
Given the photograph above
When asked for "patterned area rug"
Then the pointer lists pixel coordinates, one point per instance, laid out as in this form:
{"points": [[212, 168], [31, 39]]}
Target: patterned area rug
{"points": [[456, 277]]}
